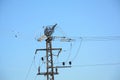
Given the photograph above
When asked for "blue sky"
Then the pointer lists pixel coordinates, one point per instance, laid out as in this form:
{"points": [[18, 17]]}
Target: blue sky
{"points": [[25, 18]]}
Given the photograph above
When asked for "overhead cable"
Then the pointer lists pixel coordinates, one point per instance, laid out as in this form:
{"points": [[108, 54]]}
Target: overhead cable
{"points": [[78, 50], [29, 68], [93, 65]]}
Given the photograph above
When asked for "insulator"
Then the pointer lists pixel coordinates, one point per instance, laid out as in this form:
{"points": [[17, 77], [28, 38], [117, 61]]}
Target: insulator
{"points": [[70, 62], [56, 70], [63, 63], [38, 69], [42, 58]]}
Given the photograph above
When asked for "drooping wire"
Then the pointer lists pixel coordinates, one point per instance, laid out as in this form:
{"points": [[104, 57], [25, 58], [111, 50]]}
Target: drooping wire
{"points": [[40, 64], [97, 38], [56, 60], [69, 53], [61, 31], [105, 38], [38, 33], [92, 65], [35, 62], [29, 69], [100, 38], [78, 50]]}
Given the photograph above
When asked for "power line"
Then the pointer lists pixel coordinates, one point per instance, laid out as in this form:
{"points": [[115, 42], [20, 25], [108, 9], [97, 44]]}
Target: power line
{"points": [[69, 53], [52, 70], [94, 38], [29, 68], [77, 50], [93, 65], [35, 62], [98, 38], [61, 31]]}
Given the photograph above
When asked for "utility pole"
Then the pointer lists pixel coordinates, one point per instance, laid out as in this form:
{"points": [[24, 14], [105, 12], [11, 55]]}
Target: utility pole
{"points": [[51, 70]]}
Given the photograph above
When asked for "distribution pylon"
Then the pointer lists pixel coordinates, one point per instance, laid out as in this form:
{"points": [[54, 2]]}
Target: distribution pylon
{"points": [[51, 70]]}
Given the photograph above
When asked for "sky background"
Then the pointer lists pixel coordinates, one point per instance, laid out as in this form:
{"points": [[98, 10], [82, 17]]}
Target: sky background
{"points": [[25, 19]]}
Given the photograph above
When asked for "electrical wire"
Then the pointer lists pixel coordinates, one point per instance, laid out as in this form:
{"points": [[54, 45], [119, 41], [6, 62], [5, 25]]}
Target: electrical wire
{"points": [[69, 53], [38, 33], [39, 63], [94, 38], [29, 68], [61, 31], [77, 50], [35, 62], [92, 65], [56, 60], [98, 38], [42, 64]]}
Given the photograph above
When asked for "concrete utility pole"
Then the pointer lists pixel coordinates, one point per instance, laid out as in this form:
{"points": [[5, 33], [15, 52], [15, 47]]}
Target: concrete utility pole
{"points": [[51, 70]]}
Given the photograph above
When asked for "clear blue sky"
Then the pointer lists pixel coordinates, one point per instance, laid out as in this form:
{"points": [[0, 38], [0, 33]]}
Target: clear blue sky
{"points": [[25, 18]]}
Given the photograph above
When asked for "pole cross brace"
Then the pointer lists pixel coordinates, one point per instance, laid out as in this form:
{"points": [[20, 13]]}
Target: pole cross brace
{"points": [[60, 49]]}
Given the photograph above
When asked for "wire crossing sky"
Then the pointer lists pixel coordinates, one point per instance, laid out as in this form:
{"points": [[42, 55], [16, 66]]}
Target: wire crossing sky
{"points": [[96, 21]]}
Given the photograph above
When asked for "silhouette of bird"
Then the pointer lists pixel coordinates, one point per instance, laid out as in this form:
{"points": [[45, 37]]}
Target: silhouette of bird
{"points": [[16, 36]]}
